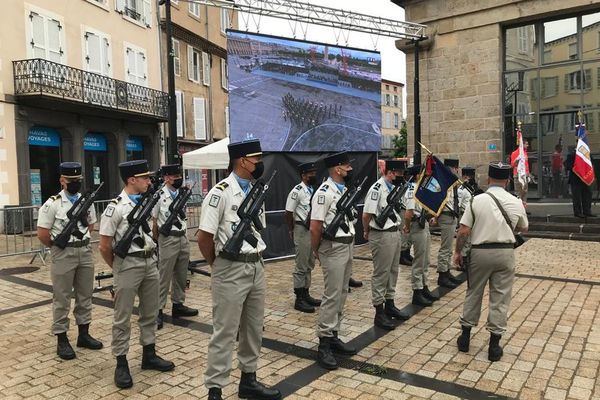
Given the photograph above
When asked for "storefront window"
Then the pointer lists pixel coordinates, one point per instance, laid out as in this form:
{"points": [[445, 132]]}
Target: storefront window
{"points": [[96, 163], [44, 158], [134, 147]]}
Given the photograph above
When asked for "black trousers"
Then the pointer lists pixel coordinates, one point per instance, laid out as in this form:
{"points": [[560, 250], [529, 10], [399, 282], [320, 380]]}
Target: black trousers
{"points": [[582, 196]]}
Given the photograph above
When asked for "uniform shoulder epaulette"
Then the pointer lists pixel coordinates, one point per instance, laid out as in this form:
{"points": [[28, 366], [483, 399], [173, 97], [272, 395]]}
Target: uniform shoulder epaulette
{"points": [[298, 187], [55, 197], [376, 186], [222, 185], [116, 200], [324, 188]]}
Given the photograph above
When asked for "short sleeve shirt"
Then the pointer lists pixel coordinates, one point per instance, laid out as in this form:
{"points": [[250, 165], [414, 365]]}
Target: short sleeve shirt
{"points": [[376, 201], [324, 204], [219, 215], [298, 202], [464, 197], [409, 200], [161, 211], [53, 216]]}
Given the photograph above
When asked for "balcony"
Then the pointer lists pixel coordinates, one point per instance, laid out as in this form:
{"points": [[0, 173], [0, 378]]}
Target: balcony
{"points": [[48, 84]]}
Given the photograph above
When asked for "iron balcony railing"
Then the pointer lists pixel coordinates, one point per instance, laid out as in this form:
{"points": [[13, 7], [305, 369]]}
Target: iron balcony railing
{"points": [[46, 78]]}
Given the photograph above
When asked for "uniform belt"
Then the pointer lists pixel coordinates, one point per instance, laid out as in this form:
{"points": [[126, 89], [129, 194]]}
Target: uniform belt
{"points": [[79, 243], [343, 239], [494, 246], [177, 233], [142, 254], [392, 229], [247, 258]]}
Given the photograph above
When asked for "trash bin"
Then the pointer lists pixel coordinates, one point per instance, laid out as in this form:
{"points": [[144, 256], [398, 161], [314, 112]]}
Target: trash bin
{"points": [[13, 220]]}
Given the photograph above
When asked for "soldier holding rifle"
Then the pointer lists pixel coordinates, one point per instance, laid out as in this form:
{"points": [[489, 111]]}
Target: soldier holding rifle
{"points": [[127, 247], [64, 224]]}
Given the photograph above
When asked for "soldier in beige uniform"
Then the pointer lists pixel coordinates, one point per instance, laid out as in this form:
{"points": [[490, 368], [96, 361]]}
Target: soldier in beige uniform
{"points": [[136, 274], [237, 280], [492, 259], [174, 247], [335, 256], [72, 267], [297, 210], [385, 243]]}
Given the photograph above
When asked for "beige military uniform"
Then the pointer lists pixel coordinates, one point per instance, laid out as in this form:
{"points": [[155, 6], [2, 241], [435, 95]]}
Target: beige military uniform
{"points": [[174, 251], [238, 287], [420, 238], [72, 268], [385, 243], [447, 223], [136, 274], [298, 203], [336, 258], [465, 203], [492, 256]]}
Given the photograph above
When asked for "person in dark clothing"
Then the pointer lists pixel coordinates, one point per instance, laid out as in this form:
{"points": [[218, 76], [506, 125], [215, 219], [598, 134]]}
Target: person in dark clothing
{"points": [[582, 193]]}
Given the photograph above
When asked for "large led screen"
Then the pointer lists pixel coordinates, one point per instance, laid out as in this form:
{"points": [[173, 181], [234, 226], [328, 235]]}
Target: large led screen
{"points": [[298, 96]]}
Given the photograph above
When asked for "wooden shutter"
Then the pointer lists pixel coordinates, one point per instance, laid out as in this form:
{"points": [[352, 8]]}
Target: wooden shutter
{"points": [[199, 118], [205, 69], [190, 56], [38, 35], [54, 46], [180, 120]]}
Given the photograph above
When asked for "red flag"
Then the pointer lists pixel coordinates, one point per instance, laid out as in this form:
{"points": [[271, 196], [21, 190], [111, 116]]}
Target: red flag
{"points": [[582, 166]]}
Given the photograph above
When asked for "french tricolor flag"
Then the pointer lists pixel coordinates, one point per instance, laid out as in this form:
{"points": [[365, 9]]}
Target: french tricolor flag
{"points": [[582, 166]]}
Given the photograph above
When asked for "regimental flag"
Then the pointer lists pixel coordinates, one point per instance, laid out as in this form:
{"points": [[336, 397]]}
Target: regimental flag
{"points": [[582, 165], [521, 170], [434, 185]]}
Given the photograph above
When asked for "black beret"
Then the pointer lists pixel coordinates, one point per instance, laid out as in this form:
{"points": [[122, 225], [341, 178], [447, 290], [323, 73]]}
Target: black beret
{"points": [[451, 162], [468, 171], [499, 170], [307, 167], [413, 169], [134, 168], [70, 169], [395, 165], [247, 148], [337, 159], [170, 169]]}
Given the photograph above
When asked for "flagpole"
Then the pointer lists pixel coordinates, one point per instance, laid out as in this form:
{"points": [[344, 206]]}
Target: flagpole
{"points": [[425, 148]]}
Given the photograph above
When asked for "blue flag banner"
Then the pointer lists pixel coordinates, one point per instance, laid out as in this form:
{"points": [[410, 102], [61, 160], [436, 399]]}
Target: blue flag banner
{"points": [[435, 185]]}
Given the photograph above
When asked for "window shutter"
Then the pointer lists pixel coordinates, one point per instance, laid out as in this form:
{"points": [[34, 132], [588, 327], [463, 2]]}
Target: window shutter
{"points": [[199, 118], [206, 69], [54, 48], [176, 57], [190, 57], [555, 85], [587, 79], [93, 55], [147, 12], [180, 121], [131, 66], [141, 68], [106, 56], [38, 36], [543, 87], [120, 5], [224, 77], [566, 82]]}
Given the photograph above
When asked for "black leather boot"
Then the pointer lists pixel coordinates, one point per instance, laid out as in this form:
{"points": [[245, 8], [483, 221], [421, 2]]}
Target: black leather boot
{"points": [[301, 304], [464, 339], [429, 295], [419, 300], [381, 319], [180, 310], [63, 347], [85, 340], [151, 361], [444, 280], [454, 279], [339, 347], [394, 312], [405, 257], [122, 376], [325, 356], [159, 320], [311, 300], [215, 394], [495, 352], [353, 283], [250, 388]]}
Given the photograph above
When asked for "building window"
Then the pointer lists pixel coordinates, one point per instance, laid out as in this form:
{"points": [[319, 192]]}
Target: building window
{"points": [[523, 39], [387, 99], [574, 81], [194, 60], [395, 89], [199, 118], [224, 20], [177, 57], [396, 121], [136, 10], [395, 100], [103, 3], [194, 9], [206, 69], [224, 77], [387, 87], [573, 51], [97, 57], [387, 123], [180, 113], [136, 66], [46, 38], [549, 86]]}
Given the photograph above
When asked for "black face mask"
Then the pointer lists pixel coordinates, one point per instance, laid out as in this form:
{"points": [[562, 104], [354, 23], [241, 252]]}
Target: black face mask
{"points": [[74, 187], [311, 181], [398, 180], [259, 168], [177, 183], [348, 177]]}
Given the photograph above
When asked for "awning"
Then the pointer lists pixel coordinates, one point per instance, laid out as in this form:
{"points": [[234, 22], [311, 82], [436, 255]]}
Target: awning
{"points": [[213, 156]]}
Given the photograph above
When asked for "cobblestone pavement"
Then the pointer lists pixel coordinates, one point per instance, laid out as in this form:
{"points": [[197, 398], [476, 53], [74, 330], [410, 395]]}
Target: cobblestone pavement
{"points": [[552, 347]]}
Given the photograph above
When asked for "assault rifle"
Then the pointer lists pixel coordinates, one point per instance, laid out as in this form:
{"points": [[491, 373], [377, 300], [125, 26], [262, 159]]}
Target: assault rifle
{"points": [[249, 213], [77, 213], [344, 208], [176, 210], [394, 199]]}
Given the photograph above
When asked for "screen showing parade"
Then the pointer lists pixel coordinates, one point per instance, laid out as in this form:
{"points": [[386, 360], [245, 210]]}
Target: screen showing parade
{"points": [[298, 96]]}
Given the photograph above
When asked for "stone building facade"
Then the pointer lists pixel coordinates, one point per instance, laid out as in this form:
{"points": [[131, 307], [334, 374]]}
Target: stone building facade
{"points": [[391, 113]]}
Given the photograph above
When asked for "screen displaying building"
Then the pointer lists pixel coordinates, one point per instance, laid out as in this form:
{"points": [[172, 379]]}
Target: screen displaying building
{"points": [[301, 96]]}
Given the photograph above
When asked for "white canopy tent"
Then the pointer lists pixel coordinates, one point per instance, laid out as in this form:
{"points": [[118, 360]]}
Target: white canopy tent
{"points": [[213, 156]]}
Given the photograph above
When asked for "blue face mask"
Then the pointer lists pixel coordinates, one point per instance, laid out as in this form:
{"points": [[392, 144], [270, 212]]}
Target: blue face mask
{"points": [[135, 197]]}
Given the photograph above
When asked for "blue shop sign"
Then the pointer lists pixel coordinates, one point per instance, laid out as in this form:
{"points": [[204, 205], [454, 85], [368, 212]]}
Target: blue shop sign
{"points": [[41, 136], [94, 142], [134, 143]]}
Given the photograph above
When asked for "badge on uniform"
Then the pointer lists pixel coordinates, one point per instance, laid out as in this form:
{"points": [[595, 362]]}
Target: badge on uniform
{"points": [[46, 207], [109, 211], [234, 207], [374, 195], [321, 199], [294, 195], [214, 201]]}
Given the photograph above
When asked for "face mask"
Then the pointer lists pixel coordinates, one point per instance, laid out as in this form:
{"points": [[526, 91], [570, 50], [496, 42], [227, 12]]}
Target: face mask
{"points": [[259, 168], [348, 177], [74, 187], [312, 181], [398, 180], [178, 183]]}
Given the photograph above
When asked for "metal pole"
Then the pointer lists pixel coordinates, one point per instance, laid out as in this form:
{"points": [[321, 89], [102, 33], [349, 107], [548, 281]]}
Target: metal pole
{"points": [[417, 153], [172, 150]]}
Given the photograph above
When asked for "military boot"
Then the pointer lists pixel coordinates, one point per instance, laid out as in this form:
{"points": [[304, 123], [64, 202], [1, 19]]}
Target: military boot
{"points": [[301, 304], [311, 300], [215, 394], [63, 347], [151, 361], [122, 376], [394, 312], [339, 347], [180, 310], [444, 280], [495, 351], [429, 295], [454, 279], [250, 388], [381, 319], [353, 283], [159, 320], [325, 356], [85, 340], [419, 300], [405, 257], [464, 339]]}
